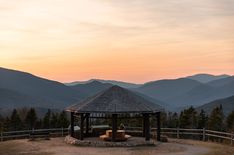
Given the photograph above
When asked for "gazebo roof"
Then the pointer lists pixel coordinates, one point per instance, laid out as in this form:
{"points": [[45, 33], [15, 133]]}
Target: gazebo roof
{"points": [[115, 100]]}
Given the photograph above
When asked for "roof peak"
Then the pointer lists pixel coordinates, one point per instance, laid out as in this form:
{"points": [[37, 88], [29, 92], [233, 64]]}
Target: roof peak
{"points": [[115, 100]]}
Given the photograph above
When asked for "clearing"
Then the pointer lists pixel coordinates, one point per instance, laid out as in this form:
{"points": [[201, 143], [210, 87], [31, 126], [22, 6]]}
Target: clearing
{"points": [[57, 146]]}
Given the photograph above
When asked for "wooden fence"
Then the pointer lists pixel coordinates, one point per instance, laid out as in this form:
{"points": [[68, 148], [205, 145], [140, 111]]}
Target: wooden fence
{"points": [[199, 134], [24, 134]]}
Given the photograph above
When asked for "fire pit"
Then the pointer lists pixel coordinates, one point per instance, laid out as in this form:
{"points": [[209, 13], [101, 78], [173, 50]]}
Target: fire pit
{"points": [[120, 135]]}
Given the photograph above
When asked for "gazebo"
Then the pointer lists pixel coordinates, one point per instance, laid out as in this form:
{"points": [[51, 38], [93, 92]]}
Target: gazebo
{"points": [[114, 102]]}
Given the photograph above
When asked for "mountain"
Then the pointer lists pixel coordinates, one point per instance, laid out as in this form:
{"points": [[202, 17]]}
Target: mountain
{"points": [[164, 89], [227, 104], [10, 99], [222, 82], [113, 82], [183, 92], [205, 93], [30, 89], [92, 88], [21, 89], [204, 78]]}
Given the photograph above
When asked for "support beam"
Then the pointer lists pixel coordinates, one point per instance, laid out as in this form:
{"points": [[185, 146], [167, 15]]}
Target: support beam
{"points": [[87, 124], [114, 127], [158, 127], [72, 125], [143, 126], [82, 126], [147, 127]]}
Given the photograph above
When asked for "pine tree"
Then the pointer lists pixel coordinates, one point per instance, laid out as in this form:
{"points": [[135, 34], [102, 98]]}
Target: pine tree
{"points": [[15, 121], [202, 120], [216, 119], [230, 121], [63, 121], [54, 120], [47, 119], [188, 118], [6, 124], [173, 120], [31, 118]]}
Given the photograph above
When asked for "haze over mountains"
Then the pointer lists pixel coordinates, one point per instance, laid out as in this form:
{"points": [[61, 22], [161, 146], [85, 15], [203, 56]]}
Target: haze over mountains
{"points": [[20, 89]]}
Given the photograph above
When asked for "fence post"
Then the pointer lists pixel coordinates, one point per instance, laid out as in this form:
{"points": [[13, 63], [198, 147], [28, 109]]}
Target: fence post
{"points": [[1, 136], [232, 139], [178, 133], [204, 134], [62, 131]]}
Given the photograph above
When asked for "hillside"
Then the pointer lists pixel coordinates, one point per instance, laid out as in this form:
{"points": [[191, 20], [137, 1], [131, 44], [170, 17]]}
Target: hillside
{"points": [[164, 89], [227, 104], [112, 82], [36, 90], [92, 88], [19, 89], [222, 82], [204, 78]]}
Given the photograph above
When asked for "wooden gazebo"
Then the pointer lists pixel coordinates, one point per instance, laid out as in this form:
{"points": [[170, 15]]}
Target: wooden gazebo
{"points": [[114, 102]]}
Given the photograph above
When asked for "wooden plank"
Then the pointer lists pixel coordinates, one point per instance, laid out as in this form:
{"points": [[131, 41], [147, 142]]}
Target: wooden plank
{"points": [[218, 132], [114, 126], [72, 124], [147, 127], [158, 127], [82, 126], [218, 136]]}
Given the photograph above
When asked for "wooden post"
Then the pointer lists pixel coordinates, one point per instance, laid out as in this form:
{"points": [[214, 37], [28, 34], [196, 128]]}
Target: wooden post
{"points": [[82, 126], [204, 134], [143, 124], [72, 125], [178, 133], [158, 127], [62, 131], [232, 139], [1, 137], [147, 127], [87, 124], [114, 126]]}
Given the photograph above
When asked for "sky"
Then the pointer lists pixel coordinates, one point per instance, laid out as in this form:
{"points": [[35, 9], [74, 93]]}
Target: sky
{"points": [[134, 41]]}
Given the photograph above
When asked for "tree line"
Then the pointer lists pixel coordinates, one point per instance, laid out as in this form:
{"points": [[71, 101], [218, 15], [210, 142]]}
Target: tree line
{"points": [[188, 118], [191, 118], [27, 119]]}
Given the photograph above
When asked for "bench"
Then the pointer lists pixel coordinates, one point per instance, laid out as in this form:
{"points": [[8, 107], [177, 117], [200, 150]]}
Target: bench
{"points": [[39, 134], [98, 130]]}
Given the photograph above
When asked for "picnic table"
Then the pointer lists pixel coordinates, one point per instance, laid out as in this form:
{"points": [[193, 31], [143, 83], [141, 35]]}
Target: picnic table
{"points": [[120, 135]]}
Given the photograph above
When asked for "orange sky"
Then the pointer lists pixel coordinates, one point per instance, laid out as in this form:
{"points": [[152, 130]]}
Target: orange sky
{"points": [[134, 41]]}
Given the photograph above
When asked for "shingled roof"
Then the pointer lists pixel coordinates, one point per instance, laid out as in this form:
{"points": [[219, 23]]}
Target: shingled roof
{"points": [[115, 100]]}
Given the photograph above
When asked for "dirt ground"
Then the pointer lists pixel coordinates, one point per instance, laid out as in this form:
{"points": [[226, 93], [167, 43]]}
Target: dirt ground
{"points": [[57, 146]]}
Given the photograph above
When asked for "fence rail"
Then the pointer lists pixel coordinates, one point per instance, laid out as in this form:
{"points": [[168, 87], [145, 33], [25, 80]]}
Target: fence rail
{"points": [[203, 134], [56, 132]]}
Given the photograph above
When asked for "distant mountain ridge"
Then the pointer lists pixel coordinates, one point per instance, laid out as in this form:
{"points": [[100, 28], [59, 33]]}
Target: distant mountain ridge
{"points": [[227, 105], [41, 91], [113, 82], [180, 93], [91, 88], [204, 78], [20, 89]]}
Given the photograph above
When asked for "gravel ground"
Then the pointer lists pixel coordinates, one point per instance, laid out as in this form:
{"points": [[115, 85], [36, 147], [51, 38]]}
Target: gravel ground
{"points": [[59, 147]]}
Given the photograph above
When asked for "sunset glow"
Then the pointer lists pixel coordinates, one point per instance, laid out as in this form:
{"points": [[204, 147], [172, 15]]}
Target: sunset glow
{"points": [[134, 41]]}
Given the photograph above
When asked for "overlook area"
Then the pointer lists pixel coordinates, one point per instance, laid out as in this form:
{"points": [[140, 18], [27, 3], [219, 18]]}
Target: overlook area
{"points": [[57, 146]]}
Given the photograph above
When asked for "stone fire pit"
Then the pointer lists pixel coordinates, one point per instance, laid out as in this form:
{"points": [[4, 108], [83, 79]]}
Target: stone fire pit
{"points": [[97, 142]]}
